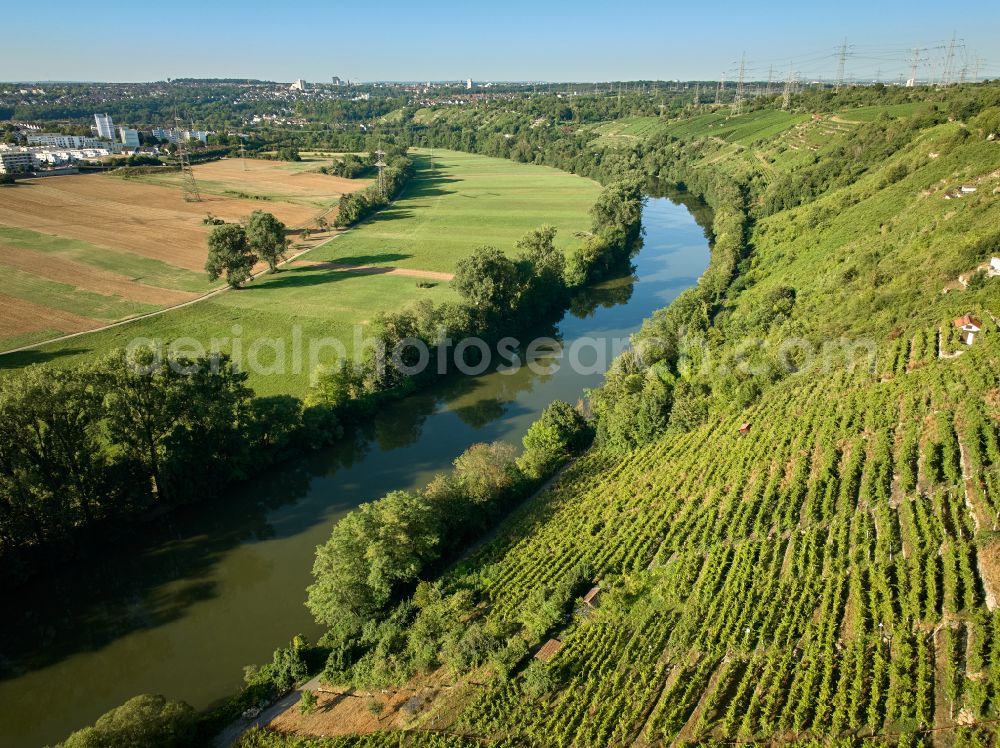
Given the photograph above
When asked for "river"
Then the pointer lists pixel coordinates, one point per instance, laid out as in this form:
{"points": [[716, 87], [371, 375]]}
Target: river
{"points": [[182, 608]]}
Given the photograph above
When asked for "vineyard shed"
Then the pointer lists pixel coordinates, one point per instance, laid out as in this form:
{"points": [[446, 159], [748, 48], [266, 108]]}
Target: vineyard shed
{"points": [[592, 597], [969, 326], [745, 427], [548, 650]]}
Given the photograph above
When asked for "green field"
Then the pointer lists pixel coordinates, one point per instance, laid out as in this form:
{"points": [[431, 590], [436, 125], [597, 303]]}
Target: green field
{"points": [[459, 201], [464, 202]]}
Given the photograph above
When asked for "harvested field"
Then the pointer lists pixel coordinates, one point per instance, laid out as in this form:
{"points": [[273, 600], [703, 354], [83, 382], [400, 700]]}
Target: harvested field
{"points": [[297, 182], [127, 246], [148, 220], [85, 277], [22, 317]]}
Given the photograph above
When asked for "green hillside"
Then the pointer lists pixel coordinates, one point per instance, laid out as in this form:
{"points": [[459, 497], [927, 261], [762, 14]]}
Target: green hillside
{"points": [[828, 572]]}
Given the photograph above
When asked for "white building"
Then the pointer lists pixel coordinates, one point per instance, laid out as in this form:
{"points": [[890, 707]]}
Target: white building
{"points": [[468, 84], [58, 140], [105, 126], [968, 326], [174, 135], [129, 137], [58, 157], [299, 85], [14, 162], [994, 269]]}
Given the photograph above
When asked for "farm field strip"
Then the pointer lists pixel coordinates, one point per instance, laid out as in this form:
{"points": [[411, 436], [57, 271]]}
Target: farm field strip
{"points": [[298, 183], [98, 248]]}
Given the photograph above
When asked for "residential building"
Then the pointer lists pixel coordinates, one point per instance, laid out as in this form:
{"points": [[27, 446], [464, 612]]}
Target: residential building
{"points": [[15, 162], [174, 135], [299, 85], [105, 126], [468, 84], [58, 140], [129, 137]]}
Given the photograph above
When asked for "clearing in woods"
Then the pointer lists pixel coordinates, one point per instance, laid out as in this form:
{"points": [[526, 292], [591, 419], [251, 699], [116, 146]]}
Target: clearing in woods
{"points": [[80, 251]]}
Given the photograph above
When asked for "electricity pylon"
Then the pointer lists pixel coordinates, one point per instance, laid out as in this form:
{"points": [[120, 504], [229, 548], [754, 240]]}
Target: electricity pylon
{"points": [[380, 165], [841, 67], [786, 98], [738, 101], [948, 71], [189, 186]]}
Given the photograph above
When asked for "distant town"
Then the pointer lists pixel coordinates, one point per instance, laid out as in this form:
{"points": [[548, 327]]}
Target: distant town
{"points": [[36, 146]]}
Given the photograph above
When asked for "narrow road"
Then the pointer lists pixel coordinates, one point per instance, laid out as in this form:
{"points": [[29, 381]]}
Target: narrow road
{"points": [[233, 732], [378, 269]]}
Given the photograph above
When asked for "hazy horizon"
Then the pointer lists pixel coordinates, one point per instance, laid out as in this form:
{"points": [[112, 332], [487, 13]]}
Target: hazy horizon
{"points": [[521, 42]]}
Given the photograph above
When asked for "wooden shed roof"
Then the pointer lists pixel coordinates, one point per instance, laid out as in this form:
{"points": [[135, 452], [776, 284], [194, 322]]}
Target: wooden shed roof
{"points": [[548, 650]]}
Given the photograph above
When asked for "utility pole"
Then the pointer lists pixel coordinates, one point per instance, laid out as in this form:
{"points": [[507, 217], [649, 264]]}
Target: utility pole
{"points": [[770, 79], [243, 151], [738, 101], [841, 67], [718, 91], [697, 95]]}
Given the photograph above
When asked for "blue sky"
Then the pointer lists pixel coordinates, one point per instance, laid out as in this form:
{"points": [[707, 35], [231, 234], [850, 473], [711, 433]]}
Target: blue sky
{"points": [[513, 40]]}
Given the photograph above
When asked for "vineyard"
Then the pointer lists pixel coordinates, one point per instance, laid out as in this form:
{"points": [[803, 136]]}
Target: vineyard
{"points": [[804, 552], [828, 573]]}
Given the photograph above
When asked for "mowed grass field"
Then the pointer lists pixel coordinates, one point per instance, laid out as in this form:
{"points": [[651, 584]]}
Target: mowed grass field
{"points": [[271, 325], [458, 201], [80, 251]]}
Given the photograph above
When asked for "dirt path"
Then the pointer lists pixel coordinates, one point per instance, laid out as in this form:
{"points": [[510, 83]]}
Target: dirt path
{"points": [[378, 269], [233, 732]]}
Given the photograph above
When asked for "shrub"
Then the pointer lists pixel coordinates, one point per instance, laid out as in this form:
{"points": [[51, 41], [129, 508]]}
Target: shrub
{"points": [[141, 721], [558, 433]]}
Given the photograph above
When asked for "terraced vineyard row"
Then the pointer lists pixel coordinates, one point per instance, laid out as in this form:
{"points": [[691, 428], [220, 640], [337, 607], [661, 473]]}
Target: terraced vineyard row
{"points": [[829, 573]]}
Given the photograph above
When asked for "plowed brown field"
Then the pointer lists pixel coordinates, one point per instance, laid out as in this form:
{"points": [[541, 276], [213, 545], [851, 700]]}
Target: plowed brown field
{"points": [[146, 219]]}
